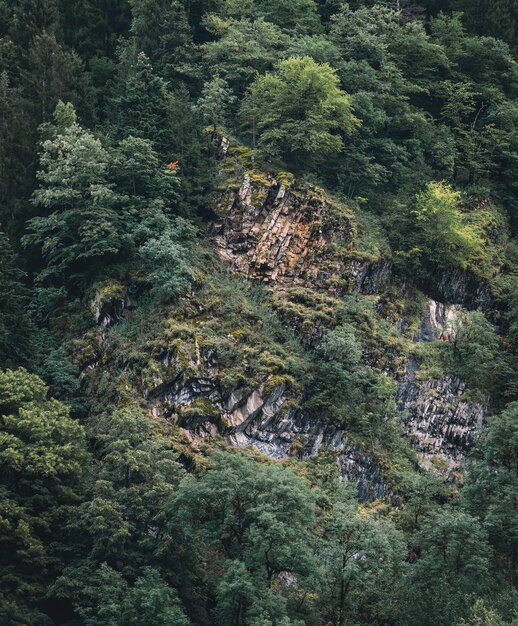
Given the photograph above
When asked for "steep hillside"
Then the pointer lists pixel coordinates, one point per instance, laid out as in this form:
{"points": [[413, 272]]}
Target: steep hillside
{"points": [[259, 313], [234, 364]]}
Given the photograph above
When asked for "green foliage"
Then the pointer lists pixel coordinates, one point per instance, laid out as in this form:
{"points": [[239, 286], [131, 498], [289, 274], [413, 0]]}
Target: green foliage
{"points": [[142, 105], [496, 18], [168, 258], [126, 535], [251, 522], [492, 486], [364, 556], [103, 597], [53, 75], [476, 352], [346, 391], [436, 233], [481, 615], [454, 564], [386, 65], [473, 354], [215, 100], [297, 16], [299, 112], [161, 30], [42, 462], [15, 328], [139, 174], [16, 137], [151, 601], [81, 225], [242, 49]]}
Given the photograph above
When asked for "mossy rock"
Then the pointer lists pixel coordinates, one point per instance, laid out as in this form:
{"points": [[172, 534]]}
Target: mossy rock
{"points": [[200, 408]]}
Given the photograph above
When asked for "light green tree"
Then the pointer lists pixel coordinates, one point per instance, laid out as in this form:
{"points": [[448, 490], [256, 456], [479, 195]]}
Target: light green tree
{"points": [[481, 615], [435, 232], [215, 101], [298, 112], [169, 259]]}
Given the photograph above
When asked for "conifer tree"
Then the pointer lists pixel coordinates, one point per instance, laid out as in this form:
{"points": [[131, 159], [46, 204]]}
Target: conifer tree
{"points": [[80, 225], [143, 106], [15, 328]]}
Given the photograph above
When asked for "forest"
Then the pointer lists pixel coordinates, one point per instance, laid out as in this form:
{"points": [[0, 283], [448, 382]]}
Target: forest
{"points": [[258, 313]]}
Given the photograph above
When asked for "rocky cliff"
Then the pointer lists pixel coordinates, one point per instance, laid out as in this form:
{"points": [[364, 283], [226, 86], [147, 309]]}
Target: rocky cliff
{"points": [[287, 235], [285, 238], [293, 238]]}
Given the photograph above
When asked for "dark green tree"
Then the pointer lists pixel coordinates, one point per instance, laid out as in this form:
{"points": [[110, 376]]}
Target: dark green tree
{"points": [[53, 75], [142, 106], [364, 563], [249, 524], [122, 523], [296, 16], [491, 492], [15, 328], [453, 566], [42, 465], [17, 132], [161, 30], [241, 49]]}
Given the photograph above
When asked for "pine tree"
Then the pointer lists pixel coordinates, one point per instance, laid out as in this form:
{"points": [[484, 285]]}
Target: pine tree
{"points": [[53, 75], [161, 30], [17, 133], [80, 226], [143, 106], [15, 328]]}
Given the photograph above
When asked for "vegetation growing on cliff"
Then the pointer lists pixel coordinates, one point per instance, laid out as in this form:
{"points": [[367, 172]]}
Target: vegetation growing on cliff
{"points": [[134, 134]]}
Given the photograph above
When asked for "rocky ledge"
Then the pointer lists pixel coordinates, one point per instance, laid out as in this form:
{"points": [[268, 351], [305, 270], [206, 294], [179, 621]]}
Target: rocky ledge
{"points": [[264, 420], [286, 236], [439, 423]]}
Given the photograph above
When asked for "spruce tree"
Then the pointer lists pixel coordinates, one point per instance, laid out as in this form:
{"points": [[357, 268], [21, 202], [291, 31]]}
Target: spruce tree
{"points": [[80, 226], [143, 106]]}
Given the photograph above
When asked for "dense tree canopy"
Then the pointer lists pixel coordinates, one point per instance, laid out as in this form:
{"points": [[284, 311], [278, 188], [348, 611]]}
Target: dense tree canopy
{"points": [[158, 160]]}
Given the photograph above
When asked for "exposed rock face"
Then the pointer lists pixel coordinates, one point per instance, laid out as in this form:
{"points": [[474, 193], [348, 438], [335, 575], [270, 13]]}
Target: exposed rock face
{"points": [[286, 237], [439, 322], [459, 287], [109, 308], [440, 424], [261, 419]]}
